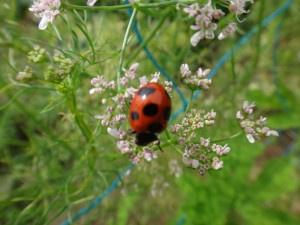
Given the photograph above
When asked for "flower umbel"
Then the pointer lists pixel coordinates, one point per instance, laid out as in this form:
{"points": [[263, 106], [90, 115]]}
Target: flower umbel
{"points": [[199, 153], [254, 129], [46, 10], [204, 24], [37, 55], [238, 6], [25, 76], [195, 81], [206, 19], [62, 68]]}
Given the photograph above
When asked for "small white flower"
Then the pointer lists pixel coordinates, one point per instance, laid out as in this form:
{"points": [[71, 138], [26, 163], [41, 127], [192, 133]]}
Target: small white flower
{"points": [[248, 108], [130, 73], [202, 73], [149, 155], [143, 80], [217, 163], [192, 10], [133, 67], [238, 6], [268, 132], [228, 30], [155, 77], [185, 71], [204, 142], [96, 90], [195, 163], [239, 115], [221, 150], [130, 92], [124, 146]]}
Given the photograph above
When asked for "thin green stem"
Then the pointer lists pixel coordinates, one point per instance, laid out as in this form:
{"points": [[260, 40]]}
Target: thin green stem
{"points": [[95, 8], [71, 102], [227, 139], [164, 4], [121, 59], [190, 101], [148, 38], [126, 6], [56, 32]]}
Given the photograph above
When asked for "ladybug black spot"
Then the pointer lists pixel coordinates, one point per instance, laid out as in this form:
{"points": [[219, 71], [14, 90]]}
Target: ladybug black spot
{"points": [[167, 113], [134, 115], [144, 92], [155, 127], [150, 109]]}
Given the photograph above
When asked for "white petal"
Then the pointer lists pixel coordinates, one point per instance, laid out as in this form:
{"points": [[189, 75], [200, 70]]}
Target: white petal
{"points": [[250, 138], [113, 132], [133, 67], [195, 163], [92, 91], [44, 22], [91, 2], [196, 38], [274, 133], [221, 36]]}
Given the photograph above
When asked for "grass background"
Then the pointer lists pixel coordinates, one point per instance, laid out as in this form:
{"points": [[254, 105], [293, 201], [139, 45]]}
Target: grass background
{"points": [[48, 170]]}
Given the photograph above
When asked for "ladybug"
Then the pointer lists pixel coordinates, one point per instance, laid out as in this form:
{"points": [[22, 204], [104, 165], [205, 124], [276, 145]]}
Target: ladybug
{"points": [[149, 112]]}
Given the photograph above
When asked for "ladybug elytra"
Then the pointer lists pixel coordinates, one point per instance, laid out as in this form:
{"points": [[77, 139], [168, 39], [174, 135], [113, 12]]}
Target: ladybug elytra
{"points": [[149, 112]]}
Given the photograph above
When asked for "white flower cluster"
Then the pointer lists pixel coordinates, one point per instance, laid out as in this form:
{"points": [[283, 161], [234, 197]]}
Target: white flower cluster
{"points": [[46, 10], [201, 155], [254, 129], [195, 81], [206, 18]]}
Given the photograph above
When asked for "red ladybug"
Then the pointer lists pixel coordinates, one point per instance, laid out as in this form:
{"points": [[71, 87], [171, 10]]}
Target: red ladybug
{"points": [[149, 112]]}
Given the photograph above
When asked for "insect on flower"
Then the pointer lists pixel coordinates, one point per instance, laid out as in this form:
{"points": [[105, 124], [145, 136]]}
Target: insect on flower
{"points": [[149, 113]]}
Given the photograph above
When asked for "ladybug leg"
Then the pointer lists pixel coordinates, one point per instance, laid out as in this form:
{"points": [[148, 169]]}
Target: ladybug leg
{"points": [[157, 142], [158, 145]]}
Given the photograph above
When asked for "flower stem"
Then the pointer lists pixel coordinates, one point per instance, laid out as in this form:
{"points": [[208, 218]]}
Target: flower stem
{"points": [[121, 59], [190, 101], [226, 139], [95, 8], [71, 102], [125, 6], [148, 38], [164, 4]]}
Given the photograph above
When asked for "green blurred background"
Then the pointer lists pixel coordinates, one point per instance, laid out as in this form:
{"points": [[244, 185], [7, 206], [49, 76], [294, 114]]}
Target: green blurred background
{"points": [[48, 171]]}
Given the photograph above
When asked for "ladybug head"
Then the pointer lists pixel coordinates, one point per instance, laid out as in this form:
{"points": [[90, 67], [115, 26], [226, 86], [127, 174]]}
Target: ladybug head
{"points": [[143, 139]]}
